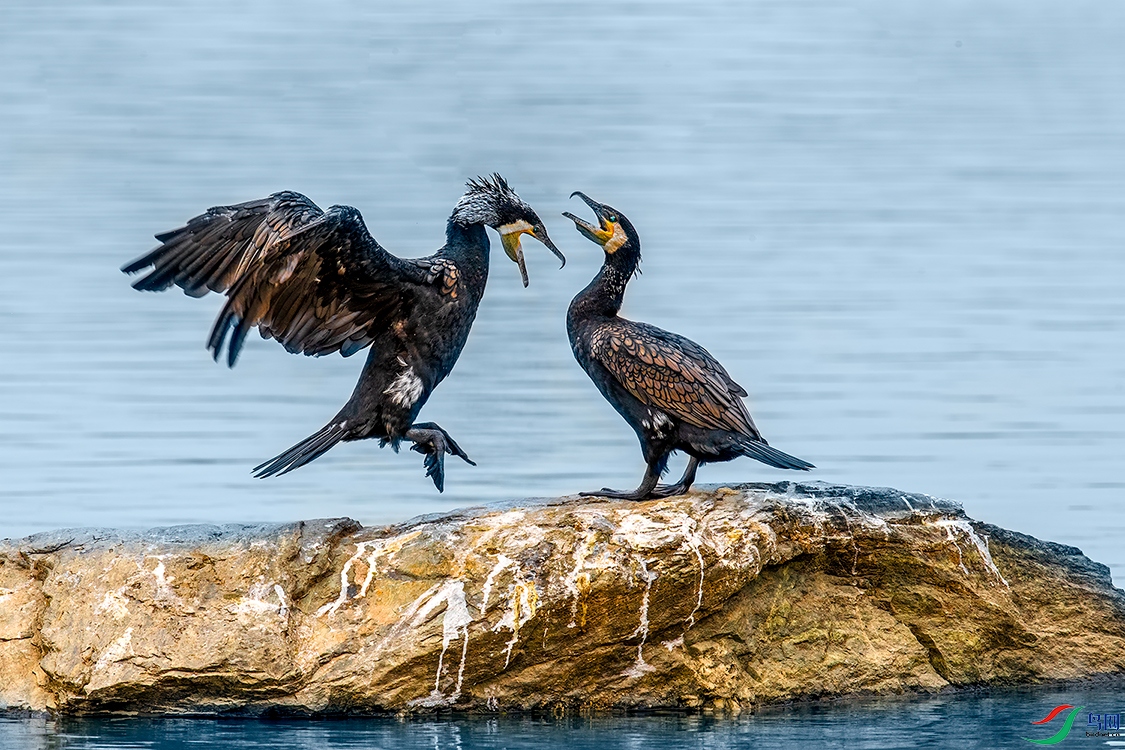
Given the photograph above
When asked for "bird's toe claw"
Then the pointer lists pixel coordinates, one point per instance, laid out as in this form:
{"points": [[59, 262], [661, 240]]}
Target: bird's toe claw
{"points": [[455, 450]]}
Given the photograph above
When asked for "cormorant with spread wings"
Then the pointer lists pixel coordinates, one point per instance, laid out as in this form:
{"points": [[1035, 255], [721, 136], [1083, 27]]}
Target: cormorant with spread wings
{"points": [[319, 283], [670, 390]]}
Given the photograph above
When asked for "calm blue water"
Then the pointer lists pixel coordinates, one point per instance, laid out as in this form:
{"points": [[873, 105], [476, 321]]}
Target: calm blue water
{"points": [[900, 225], [983, 721]]}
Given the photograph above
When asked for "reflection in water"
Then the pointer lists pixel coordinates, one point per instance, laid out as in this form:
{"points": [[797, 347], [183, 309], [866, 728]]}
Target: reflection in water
{"points": [[969, 720]]}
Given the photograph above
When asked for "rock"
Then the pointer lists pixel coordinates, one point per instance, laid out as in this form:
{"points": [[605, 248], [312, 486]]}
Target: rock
{"points": [[716, 601]]}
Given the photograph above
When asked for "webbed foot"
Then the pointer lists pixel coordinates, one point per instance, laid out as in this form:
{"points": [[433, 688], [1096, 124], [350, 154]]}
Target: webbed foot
{"points": [[618, 494], [668, 490], [681, 487], [434, 443], [643, 492]]}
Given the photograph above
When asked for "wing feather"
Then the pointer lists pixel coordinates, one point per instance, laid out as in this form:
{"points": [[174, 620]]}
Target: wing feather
{"points": [[316, 281], [673, 374]]}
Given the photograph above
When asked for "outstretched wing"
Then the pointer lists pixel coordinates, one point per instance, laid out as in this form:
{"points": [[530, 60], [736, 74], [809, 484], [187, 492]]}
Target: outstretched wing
{"points": [[214, 249], [316, 281], [673, 374]]}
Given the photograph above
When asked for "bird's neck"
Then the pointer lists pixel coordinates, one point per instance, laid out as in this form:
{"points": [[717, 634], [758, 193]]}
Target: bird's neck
{"points": [[603, 296], [468, 246]]}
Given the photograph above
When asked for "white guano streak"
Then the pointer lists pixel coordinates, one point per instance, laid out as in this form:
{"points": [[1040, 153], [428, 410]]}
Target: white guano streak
{"points": [[119, 650], [523, 602], [692, 541], [640, 666], [455, 623], [950, 526], [582, 550], [165, 594], [502, 561], [379, 548]]}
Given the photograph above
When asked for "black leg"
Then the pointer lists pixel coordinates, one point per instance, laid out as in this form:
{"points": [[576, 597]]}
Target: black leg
{"points": [[434, 442], [643, 492], [681, 487]]}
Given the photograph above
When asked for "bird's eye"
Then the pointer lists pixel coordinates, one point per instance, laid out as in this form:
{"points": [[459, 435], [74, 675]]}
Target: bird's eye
{"points": [[613, 218]]}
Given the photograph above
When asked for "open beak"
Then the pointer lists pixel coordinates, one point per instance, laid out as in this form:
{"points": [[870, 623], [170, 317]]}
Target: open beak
{"points": [[511, 243], [513, 249], [600, 233]]}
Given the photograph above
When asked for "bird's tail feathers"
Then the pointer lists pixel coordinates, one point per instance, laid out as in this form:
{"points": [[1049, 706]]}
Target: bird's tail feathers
{"points": [[767, 454], [309, 449]]}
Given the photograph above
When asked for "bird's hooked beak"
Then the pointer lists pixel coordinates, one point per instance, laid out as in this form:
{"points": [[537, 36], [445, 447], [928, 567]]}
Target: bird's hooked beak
{"points": [[510, 239], [608, 233]]}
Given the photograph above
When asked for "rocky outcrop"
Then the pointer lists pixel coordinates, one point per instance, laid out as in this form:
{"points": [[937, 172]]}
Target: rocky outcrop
{"points": [[727, 597]]}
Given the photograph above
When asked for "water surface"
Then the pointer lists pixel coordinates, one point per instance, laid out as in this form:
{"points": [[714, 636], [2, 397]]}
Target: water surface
{"points": [[983, 719]]}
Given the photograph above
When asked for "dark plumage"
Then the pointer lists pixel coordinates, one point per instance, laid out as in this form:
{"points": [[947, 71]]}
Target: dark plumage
{"points": [[318, 282], [670, 390]]}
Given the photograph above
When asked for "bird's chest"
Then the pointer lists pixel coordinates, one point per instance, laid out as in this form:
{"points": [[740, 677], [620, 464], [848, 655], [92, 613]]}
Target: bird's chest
{"points": [[651, 424], [435, 335]]}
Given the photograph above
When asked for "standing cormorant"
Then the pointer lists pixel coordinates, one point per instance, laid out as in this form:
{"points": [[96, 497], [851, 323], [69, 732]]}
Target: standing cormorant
{"points": [[669, 389], [318, 282]]}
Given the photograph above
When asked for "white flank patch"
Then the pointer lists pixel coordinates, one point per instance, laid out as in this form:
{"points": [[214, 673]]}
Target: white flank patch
{"points": [[405, 389], [658, 422]]}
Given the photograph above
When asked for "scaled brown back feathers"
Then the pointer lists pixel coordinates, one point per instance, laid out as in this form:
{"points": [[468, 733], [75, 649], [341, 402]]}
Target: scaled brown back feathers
{"points": [[674, 374]]}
